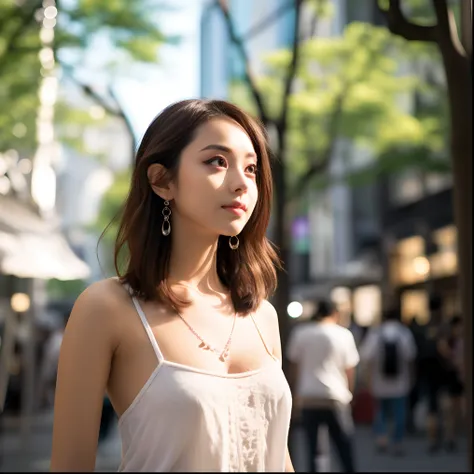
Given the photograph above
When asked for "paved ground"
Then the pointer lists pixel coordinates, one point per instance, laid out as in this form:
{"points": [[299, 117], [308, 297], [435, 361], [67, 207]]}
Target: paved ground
{"points": [[15, 458], [416, 458]]}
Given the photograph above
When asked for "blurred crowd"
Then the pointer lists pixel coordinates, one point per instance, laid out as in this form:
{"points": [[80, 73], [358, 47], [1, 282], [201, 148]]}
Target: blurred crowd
{"points": [[48, 345], [402, 378]]}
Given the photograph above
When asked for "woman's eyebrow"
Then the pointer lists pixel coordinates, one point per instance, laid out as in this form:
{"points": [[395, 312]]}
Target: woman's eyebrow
{"points": [[225, 149]]}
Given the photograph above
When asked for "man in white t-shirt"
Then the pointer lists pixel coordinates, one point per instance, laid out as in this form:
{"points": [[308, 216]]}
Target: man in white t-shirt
{"points": [[324, 357]]}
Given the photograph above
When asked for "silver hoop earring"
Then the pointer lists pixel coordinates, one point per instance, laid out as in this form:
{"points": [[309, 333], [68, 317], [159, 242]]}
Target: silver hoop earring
{"points": [[235, 245], [166, 227]]}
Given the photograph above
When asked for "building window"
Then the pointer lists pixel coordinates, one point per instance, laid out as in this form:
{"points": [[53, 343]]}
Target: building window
{"points": [[341, 297], [436, 182], [367, 305], [451, 305], [415, 305], [409, 264], [445, 261], [406, 188]]}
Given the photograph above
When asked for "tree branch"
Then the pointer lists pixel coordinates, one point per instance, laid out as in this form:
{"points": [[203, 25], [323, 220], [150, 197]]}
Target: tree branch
{"points": [[314, 26], [91, 93], [399, 25], [466, 27], [115, 112], [128, 124], [239, 44], [322, 165], [268, 21], [448, 33], [295, 49]]}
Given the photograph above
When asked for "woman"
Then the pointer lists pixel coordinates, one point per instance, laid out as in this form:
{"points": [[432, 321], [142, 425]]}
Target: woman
{"points": [[183, 342]]}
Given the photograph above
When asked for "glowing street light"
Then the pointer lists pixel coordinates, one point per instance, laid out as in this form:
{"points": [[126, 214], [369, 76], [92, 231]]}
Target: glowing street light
{"points": [[20, 302], [295, 309]]}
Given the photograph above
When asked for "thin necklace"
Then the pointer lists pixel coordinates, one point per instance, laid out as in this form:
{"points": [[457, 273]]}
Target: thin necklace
{"points": [[204, 345]]}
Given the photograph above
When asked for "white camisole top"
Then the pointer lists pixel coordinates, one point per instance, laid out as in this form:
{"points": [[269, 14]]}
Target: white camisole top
{"points": [[186, 419]]}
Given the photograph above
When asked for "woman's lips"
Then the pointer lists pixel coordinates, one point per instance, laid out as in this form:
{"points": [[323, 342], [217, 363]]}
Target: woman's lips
{"points": [[237, 211]]}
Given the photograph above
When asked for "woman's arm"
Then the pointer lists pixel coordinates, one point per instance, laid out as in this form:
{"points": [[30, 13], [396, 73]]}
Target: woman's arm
{"points": [[84, 364], [271, 317], [288, 464]]}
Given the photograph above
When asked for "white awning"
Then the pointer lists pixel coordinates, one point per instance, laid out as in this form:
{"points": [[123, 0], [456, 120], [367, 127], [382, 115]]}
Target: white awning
{"points": [[30, 247]]}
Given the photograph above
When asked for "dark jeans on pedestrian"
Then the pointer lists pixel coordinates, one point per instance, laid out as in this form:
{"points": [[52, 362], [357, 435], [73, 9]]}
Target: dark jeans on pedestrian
{"points": [[338, 419], [394, 407]]}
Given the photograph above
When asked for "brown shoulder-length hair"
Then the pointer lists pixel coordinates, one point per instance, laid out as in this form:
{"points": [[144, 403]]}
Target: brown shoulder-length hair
{"points": [[248, 272]]}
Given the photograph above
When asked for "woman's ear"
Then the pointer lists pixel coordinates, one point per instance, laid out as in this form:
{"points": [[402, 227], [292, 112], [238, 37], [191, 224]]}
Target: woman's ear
{"points": [[159, 180]]}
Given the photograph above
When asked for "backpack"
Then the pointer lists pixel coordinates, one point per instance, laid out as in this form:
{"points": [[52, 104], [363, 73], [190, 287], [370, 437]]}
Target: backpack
{"points": [[390, 358]]}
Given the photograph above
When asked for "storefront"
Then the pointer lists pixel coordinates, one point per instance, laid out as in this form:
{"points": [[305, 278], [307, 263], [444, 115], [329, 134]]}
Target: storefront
{"points": [[32, 251], [423, 272]]}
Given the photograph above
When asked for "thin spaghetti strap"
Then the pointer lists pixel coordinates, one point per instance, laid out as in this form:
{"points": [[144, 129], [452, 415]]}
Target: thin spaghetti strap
{"points": [[262, 338], [146, 325]]}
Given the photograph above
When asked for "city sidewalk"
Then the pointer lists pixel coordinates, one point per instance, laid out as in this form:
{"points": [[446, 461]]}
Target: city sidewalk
{"points": [[416, 459], [36, 457]]}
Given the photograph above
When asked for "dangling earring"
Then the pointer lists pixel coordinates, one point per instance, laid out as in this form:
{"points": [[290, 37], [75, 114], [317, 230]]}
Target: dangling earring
{"points": [[166, 227], [235, 245]]}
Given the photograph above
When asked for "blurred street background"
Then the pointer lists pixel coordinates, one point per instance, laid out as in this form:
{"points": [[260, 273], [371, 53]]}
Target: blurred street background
{"points": [[368, 108]]}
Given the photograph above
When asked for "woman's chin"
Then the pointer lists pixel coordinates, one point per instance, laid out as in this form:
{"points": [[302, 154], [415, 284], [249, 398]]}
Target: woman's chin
{"points": [[230, 231]]}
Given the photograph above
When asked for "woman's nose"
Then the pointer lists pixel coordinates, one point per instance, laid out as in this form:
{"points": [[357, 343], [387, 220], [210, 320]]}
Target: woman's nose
{"points": [[239, 181]]}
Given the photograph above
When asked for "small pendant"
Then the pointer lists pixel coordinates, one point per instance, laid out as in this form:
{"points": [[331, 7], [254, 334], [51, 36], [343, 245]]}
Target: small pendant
{"points": [[224, 355], [207, 347]]}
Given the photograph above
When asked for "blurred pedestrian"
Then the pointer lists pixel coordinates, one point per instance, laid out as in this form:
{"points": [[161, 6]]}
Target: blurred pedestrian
{"points": [[356, 330], [184, 342], [49, 363], [418, 390], [389, 352], [432, 376], [450, 345], [324, 357]]}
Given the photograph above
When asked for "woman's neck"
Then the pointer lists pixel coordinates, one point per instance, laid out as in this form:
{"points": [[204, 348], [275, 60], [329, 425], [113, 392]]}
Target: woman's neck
{"points": [[194, 260]]}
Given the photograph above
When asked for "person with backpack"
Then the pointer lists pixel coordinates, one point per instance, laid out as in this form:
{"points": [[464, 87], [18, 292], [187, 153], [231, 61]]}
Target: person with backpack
{"points": [[389, 352]]}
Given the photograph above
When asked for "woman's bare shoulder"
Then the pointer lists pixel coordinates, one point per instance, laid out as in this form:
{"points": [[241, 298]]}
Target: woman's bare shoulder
{"points": [[267, 312], [100, 305], [267, 317], [107, 291]]}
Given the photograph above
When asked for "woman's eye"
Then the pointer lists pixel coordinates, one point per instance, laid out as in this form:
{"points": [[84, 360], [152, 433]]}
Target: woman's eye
{"points": [[252, 169], [217, 161]]}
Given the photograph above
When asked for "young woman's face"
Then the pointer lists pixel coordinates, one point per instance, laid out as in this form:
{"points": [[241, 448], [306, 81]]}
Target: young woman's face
{"points": [[216, 186]]}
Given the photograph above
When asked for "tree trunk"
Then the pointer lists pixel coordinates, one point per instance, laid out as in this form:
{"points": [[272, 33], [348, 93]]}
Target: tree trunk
{"points": [[128, 125], [133, 140], [459, 80], [281, 240]]}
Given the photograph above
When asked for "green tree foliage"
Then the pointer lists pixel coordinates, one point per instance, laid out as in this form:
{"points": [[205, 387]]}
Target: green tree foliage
{"points": [[63, 290], [129, 27], [361, 87]]}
